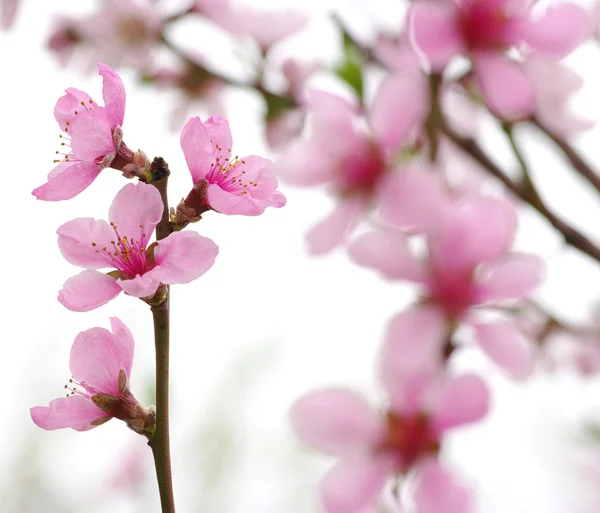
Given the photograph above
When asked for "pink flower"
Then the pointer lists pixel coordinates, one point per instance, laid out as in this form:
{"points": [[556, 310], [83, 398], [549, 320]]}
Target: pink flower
{"points": [[99, 387], [8, 13], [352, 161], [555, 84], [486, 30], [581, 353], [122, 244], [224, 183], [265, 27], [93, 135], [423, 404], [468, 262]]}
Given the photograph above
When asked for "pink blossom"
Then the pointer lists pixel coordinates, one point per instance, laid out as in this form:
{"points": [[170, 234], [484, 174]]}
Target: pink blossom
{"points": [[372, 446], [468, 263], [93, 136], [99, 387], [8, 13], [581, 353], [354, 162], [222, 182], [486, 30], [555, 84], [122, 244], [266, 27]]}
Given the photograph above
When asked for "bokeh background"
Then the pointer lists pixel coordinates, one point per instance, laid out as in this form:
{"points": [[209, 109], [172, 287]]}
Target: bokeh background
{"points": [[268, 322]]}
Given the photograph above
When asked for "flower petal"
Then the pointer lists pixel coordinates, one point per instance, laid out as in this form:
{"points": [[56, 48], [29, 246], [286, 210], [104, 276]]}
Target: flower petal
{"points": [[463, 400], [354, 484], [75, 412], [558, 32], [434, 31], [136, 210], [88, 290], [113, 93], [144, 285], [75, 239], [512, 277], [183, 256], [335, 228], [506, 88], [303, 164], [197, 148], [219, 134], [399, 107], [96, 358], [411, 199], [504, 344], [125, 343], [66, 105], [411, 354], [336, 421], [438, 491], [67, 181], [387, 253], [231, 203], [91, 135]]}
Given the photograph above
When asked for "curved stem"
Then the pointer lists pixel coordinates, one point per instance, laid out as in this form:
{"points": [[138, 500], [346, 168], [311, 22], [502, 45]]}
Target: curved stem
{"points": [[160, 313]]}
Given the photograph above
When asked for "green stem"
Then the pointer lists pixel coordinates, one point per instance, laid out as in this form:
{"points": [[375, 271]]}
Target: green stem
{"points": [[160, 313]]}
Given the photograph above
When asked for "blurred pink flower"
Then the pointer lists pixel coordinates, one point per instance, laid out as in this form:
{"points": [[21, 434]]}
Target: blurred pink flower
{"points": [[486, 30], [8, 13], [353, 161], [266, 27], [554, 85], [468, 262], [93, 136], [581, 353], [224, 183], [123, 245], [424, 403], [99, 388]]}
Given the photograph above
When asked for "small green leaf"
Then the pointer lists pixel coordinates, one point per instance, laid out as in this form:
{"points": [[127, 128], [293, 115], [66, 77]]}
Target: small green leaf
{"points": [[350, 70]]}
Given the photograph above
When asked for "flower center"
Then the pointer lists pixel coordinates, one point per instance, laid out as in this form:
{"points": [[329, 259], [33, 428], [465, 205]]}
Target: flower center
{"points": [[409, 437], [453, 291], [126, 254], [65, 143], [75, 387], [362, 171], [228, 173], [485, 25]]}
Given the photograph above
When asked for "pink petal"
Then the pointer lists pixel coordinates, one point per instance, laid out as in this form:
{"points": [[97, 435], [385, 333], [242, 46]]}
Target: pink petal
{"points": [[399, 108], [113, 93], [411, 353], [64, 111], [231, 203], [558, 32], [219, 132], [136, 210], [435, 32], [96, 357], [388, 253], [464, 399], [144, 285], [354, 484], [336, 421], [75, 240], [303, 164], [75, 412], [478, 229], [125, 343], [88, 290], [504, 344], [68, 182], [507, 90], [9, 12], [183, 257], [334, 229], [510, 278], [197, 148], [411, 199], [91, 135], [438, 491]]}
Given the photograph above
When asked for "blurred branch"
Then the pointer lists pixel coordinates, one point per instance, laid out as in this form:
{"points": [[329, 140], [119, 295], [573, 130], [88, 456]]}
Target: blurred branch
{"points": [[527, 192], [577, 161]]}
